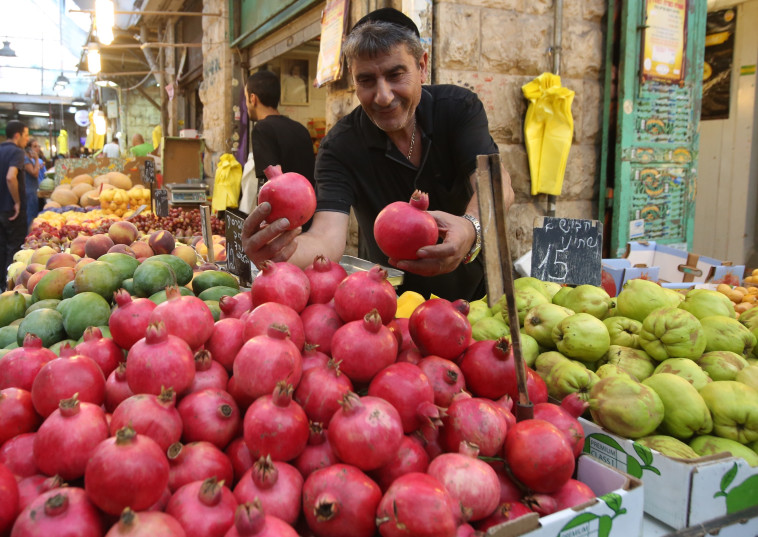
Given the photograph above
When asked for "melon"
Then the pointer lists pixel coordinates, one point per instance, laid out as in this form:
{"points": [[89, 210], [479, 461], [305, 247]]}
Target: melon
{"points": [[47, 184], [83, 178], [87, 199], [64, 196], [81, 188], [119, 180], [100, 179], [52, 205]]}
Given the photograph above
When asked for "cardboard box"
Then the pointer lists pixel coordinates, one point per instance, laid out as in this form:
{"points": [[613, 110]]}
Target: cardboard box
{"points": [[616, 512], [622, 270], [679, 493], [676, 265]]}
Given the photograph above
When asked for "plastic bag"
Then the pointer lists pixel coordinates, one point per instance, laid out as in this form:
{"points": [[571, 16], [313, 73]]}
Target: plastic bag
{"points": [[548, 131], [226, 187], [249, 186]]}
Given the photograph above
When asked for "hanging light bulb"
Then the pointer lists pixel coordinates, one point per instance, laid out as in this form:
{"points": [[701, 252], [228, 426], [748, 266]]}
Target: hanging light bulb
{"points": [[99, 119], [105, 18], [93, 59]]}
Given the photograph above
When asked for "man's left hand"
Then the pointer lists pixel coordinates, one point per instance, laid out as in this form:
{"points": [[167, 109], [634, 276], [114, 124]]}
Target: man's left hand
{"points": [[457, 235]]}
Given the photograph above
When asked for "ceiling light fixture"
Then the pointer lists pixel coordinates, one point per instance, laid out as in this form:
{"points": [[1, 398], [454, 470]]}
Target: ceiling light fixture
{"points": [[105, 18], [61, 82], [78, 103], [106, 84], [30, 113], [93, 59], [7, 50]]}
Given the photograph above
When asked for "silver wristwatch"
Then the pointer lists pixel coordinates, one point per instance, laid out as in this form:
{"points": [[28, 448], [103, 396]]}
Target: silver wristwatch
{"points": [[477, 246]]}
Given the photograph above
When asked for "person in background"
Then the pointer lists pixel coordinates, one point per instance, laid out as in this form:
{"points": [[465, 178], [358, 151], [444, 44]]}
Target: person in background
{"points": [[12, 197], [34, 171], [85, 153], [276, 139], [140, 148], [294, 89], [74, 152], [404, 136], [112, 149]]}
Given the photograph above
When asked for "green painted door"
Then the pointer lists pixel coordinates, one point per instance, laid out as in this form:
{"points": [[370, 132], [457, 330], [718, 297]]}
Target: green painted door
{"points": [[650, 150]]}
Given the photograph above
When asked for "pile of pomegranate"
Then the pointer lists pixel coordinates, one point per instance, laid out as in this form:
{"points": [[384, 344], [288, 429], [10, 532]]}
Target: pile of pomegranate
{"points": [[307, 409]]}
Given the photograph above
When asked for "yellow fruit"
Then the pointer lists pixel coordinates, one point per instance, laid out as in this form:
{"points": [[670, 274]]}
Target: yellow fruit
{"points": [[742, 307], [724, 288], [754, 274], [749, 298], [407, 303], [740, 289], [735, 296]]}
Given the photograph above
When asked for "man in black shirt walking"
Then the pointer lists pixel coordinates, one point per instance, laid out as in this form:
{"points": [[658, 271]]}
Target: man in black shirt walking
{"points": [[277, 139]]}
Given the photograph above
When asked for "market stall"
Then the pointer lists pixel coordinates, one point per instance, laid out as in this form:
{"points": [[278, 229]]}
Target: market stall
{"points": [[321, 398]]}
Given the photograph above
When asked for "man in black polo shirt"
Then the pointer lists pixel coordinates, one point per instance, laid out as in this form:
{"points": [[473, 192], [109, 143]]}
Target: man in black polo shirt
{"points": [[403, 137], [12, 195]]}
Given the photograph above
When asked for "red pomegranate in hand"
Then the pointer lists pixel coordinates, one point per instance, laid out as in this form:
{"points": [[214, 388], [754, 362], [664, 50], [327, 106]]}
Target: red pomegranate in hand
{"points": [[291, 196], [401, 228]]}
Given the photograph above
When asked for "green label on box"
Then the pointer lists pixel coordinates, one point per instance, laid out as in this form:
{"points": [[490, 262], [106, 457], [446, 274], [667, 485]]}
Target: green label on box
{"points": [[592, 525], [742, 496], [607, 450]]}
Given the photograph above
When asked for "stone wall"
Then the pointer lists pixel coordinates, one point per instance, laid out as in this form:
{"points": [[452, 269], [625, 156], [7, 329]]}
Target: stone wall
{"points": [[141, 115], [494, 47], [217, 88]]}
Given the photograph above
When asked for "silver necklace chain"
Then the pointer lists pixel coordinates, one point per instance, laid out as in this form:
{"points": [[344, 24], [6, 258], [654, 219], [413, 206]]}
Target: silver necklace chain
{"points": [[413, 139]]}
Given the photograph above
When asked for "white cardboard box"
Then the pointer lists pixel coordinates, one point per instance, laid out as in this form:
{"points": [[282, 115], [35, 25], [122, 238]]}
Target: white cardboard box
{"points": [[679, 493], [616, 512]]}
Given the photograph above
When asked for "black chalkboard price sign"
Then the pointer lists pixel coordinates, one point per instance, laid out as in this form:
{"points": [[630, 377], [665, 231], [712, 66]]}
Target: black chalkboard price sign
{"points": [[236, 261], [160, 197], [148, 172], [567, 250]]}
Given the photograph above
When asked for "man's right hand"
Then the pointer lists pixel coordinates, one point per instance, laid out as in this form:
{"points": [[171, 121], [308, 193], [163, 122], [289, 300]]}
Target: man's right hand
{"points": [[16, 210], [263, 241]]}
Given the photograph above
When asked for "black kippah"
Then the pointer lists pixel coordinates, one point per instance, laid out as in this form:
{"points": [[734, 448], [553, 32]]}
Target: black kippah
{"points": [[391, 15]]}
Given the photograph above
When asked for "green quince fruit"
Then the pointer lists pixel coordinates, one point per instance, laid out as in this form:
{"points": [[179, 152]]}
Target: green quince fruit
{"points": [[726, 334], [734, 407], [669, 446], [636, 362], [640, 297], [672, 333], [623, 331], [489, 328], [541, 320], [748, 375], [589, 299], [546, 361], [684, 410], [685, 368], [711, 445], [570, 377], [582, 337], [722, 365], [705, 302], [625, 406]]}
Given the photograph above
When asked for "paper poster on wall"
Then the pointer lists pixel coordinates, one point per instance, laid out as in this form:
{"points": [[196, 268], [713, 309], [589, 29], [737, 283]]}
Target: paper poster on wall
{"points": [[421, 13], [333, 21], [717, 66], [664, 42]]}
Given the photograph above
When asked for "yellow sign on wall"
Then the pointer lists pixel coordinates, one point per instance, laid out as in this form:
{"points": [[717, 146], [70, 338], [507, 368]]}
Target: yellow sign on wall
{"points": [[664, 41]]}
